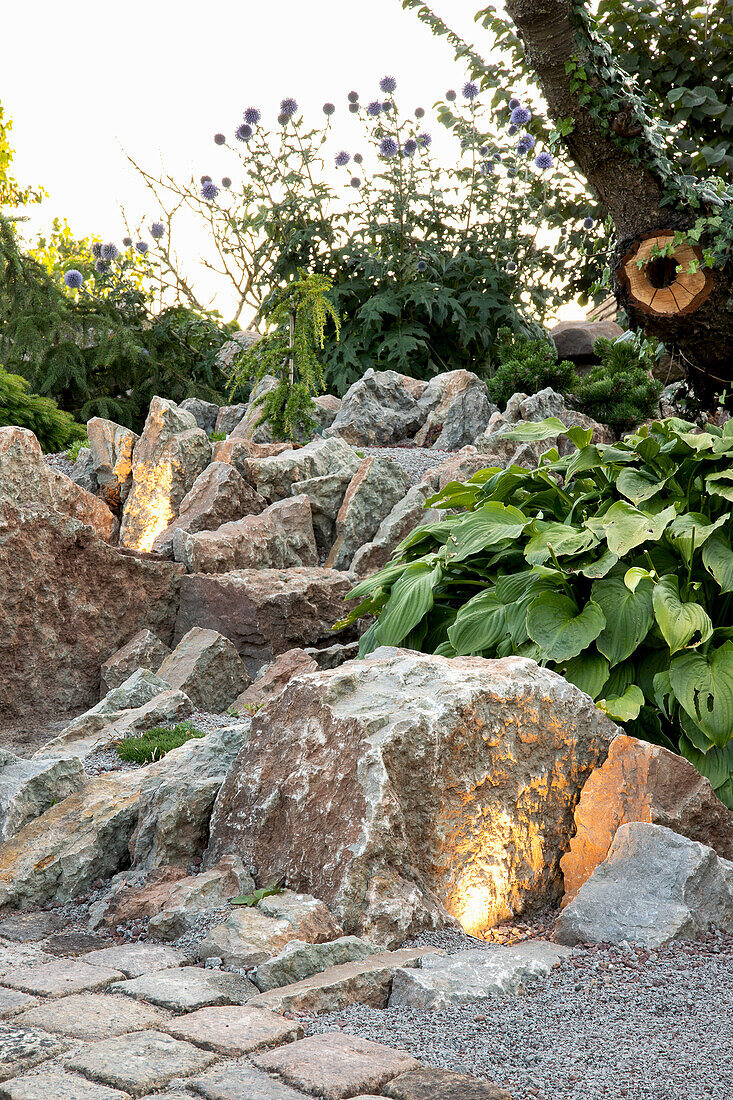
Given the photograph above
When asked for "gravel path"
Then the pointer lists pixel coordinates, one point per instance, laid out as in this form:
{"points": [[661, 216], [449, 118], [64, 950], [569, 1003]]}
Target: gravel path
{"points": [[607, 1024], [415, 461]]}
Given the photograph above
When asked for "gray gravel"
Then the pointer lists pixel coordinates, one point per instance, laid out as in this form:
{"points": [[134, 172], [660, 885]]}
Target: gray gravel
{"points": [[606, 1024], [60, 463], [415, 461]]}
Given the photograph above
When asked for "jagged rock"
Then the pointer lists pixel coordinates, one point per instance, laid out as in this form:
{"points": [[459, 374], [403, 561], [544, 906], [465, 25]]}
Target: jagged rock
{"points": [[203, 412], [206, 666], [82, 472], [229, 418], [440, 982], [238, 452], [247, 426], [240, 341], [574, 340], [326, 496], [654, 886], [375, 488], [169, 456], [431, 1083], [273, 678], [327, 409], [522, 408], [380, 409], [407, 514], [111, 446], [143, 651], [219, 494], [457, 409], [265, 612], [332, 656], [642, 782], [280, 537], [275, 476], [29, 787], [354, 785], [300, 960], [192, 896]]}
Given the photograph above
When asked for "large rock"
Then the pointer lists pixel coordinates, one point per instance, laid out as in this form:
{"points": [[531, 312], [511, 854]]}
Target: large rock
{"points": [[654, 886], [411, 791], [219, 494], [299, 960], [265, 612], [29, 787], [273, 679], [111, 448], [375, 489], [238, 452], [522, 408], [206, 666], [143, 651], [192, 896], [275, 476], [326, 495], [203, 412], [68, 598], [408, 513], [458, 409], [642, 782], [229, 417], [574, 340], [380, 409], [246, 426], [280, 537], [169, 456], [82, 472]]}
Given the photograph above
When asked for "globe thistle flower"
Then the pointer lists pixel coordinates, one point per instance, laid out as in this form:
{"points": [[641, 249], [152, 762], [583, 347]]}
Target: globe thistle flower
{"points": [[252, 116], [520, 116], [526, 143], [354, 108], [353, 97], [73, 278], [341, 159], [513, 130], [226, 181], [513, 103], [421, 265], [329, 109], [388, 84], [511, 267], [450, 95], [388, 147], [205, 179], [283, 119], [355, 181], [288, 107], [209, 191], [409, 147], [97, 249], [109, 251], [387, 105], [127, 241], [543, 161], [419, 112], [424, 140], [497, 157], [484, 150], [141, 247], [588, 222], [157, 230], [219, 139], [511, 173], [469, 90], [486, 167], [101, 266], [374, 108], [358, 158], [243, 132]]}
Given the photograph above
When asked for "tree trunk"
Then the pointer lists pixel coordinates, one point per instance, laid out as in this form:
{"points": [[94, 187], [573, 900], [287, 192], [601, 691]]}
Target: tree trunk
{"points": [[692, 313]]}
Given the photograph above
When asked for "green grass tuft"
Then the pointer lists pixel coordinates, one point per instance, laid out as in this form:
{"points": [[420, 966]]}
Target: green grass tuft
{"points": [[156, 742]]}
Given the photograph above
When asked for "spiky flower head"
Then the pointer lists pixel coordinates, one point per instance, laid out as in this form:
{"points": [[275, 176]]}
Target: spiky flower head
{"points": [[511, 267], [209, 191], [484, 150], [127, 241], [487, 167], [421, 265], [354, 108], [157, 230], [355, 181], [283, 119], [341, 158], [424, 140], [409, 147], [243, 132], [588, 222], [497, 157], [374, 108], [469, 90], [520, 116], [513, 103], [101, 266], [450, 95], [329, 109], [543, 161], [141, 247], [97, 249], [387, 105], [388, 147], [511, 173], [353, 97], [204, 179], [73, 278], [288, 107], [526, 143], [513, 130], [358, 158], [388, 84], [226, 181], [219, 139], [252, 115], [419, 112], [109, 251]]}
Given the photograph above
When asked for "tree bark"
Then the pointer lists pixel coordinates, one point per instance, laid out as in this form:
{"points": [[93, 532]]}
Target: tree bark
{"points": [[700, 330]]}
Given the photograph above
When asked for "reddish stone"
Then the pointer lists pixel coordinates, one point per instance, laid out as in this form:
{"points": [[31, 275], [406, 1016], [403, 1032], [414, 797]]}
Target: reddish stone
{"points": [[275, 678]]}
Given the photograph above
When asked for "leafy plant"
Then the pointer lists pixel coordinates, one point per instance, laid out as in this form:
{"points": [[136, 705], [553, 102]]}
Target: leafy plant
{"points": [[619, 391], [78, 445], [526, 366], [156, 742], [250, 900], [20, 408], [612, 565]]}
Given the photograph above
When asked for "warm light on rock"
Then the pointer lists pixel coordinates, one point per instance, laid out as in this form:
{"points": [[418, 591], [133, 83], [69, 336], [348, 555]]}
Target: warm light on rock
{"points": [[150, 512]]}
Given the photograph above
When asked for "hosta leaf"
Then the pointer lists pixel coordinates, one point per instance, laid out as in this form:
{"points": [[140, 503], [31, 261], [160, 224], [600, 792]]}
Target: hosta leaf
{"points": [[627, 527], [536, 430], [703, 685], [479, 625], [692, 530], [560, 538], [628, 615], [623, 708], [599, 567], [485, 529], [589, 672], [559, 628], [715, 764], [411, 599], [720, 484], [681, 624], [637, 486], [634, 576], [717, 557]]}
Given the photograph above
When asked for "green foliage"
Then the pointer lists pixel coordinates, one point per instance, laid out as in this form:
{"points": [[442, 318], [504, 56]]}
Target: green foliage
{"points": [[156, 742], [612, 565], [53, 428], [217, 437], [78, 445], [250, 900], [527, 366], [12, 195], [290, 354], [619, 391]]}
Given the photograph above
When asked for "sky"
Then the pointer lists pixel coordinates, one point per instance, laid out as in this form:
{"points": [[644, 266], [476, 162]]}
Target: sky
{"points": [[88, 82]]}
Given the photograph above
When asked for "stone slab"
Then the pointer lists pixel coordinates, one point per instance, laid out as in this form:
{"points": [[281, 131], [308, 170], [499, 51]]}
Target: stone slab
{"points": [[430, 1083], [136, 959], [12, 1002], [139, 1062], [74, 944], [91, 1016], [21, 1048], [57, 979], [22, 927], [240, 1080], [234, 1029], [56, 1085], [334, 1065], [188, 988]]}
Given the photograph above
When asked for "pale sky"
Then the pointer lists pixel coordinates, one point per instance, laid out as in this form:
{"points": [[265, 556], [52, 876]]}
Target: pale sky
{"points": [[88, 80]]}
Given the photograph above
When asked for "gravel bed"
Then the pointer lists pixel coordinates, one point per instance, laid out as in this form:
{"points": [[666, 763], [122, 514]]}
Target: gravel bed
{"points": [[606, 1024], [60, 463], [105, 759], [415, 461]]}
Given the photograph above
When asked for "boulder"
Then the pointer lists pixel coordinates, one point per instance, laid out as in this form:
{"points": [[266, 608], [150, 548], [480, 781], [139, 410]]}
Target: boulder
{"points": [[111, 446], [231, 349], [458, 467], [374, 490], [278, 538], [143, 651], [653, 887], [169, 456], [190, 897], [574, 340], [272, 679], [408, 513], [92, 597], [238, 451], [642, 782], [229, 417], [206, 666], [82, 472], [299, 960], [275, 476], [522, 408], [219, 494], [265, 612], [411, 791], [203, 412], [457, 408], [29, 787], [331, 656], [246, 426], [327, 408], [326, 496], [380, 409]]}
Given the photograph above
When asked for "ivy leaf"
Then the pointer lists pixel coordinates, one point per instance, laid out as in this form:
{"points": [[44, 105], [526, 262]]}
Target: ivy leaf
{"points": [[559, 628], [679, 622], [703, 685]]}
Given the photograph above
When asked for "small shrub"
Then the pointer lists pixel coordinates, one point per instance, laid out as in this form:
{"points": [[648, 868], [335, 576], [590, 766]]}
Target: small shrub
{"points": [[619, 391], [528, 366], [20, 408], [250, 900], [217, 437], [156, 742], [78, 445]]}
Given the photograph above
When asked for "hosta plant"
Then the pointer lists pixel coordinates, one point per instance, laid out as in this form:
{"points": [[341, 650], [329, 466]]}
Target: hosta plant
{"points": [[612, 565]]}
